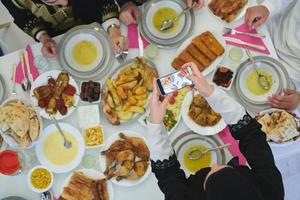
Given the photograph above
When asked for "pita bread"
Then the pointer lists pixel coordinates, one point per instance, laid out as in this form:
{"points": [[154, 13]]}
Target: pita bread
{"points": [[22, 141], [34, 128]]}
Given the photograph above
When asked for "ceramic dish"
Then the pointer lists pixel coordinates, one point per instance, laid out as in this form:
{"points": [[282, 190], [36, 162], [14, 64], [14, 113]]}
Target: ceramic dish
{"points": [[2, 89], [124, 182], [105, 56], [61, 168], [93, 174], [208, 130], [232, 79], [43, 80], [188, 139], [103, 137], [94, 102], [216, 62], [29, 183], [165, 40]]}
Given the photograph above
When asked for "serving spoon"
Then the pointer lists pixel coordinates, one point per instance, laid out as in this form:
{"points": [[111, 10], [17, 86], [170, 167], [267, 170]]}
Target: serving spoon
{"points": [[167, 24], [67, 143], [262, 79], [198, 153]]}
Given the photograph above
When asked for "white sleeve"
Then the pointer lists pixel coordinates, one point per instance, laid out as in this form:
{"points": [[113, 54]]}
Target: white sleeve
{"points": [[274, 6], [158, 142], [230, 110], [110, 22]]}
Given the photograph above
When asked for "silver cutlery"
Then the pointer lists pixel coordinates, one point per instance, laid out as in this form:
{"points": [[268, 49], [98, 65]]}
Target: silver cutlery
{"points": [[198, 153], [231, 31], [262, 79], [121, 56], [29, 75], [140, 42], [238, 41], [24, 82], [167, 24], [67, 143], [13, 78]]}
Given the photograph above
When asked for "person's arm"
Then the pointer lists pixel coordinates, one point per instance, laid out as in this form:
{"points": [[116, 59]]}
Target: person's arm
{"points": [[24, 18], [123, 2]]}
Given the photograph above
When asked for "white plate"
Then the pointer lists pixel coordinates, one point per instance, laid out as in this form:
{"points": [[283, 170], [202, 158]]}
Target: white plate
{"points": [[262, 99], [242, 13], [157, 6], [124, 182], [232, 79], [208, 130], [103, 136], [69, 49], [216, 62], [43, 80], [39, 150], [93, 174], [7, 138]]}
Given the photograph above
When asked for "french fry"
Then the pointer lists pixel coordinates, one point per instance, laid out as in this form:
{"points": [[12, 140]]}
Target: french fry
{"points": [[140, 90], [129, 85], [113, 92], [110, 101], [125, 115], [141, 97], [130, 102], [136, 109], [121, 93], [141, 102]]}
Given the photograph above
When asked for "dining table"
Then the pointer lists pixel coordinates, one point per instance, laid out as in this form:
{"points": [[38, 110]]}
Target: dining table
{"points": [[148, 189]]}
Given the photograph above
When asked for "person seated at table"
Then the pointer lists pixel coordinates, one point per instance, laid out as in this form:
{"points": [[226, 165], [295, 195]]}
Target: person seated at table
{"points": [[284, 27], [129, 10], [261, 181], [44, 19]]}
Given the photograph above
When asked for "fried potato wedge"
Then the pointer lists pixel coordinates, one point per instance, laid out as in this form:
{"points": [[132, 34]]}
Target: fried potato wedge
{"points": [[129, 85], [136, 109]]}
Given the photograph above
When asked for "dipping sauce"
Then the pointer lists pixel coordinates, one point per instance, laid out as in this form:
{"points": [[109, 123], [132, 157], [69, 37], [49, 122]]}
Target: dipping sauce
{"points": [[40, 178], [84, 52], [253, 85], [195, 165], [55, 151], [162, 14], [9, 162]]}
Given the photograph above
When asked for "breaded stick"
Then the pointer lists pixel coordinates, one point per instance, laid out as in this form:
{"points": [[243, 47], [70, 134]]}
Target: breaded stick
{"points": [[202, 47], [186, 57], [195, 53], [177, 63], [212, 43]]}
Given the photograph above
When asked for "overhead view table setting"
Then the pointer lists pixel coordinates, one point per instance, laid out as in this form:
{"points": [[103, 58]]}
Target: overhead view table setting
{"points": [[80, 118]]}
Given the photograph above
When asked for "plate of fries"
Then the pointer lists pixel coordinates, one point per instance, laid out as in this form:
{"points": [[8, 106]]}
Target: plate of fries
{"points": [[126, 92]]}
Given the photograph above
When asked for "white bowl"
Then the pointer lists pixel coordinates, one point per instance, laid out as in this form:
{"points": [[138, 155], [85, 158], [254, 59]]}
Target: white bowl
{"points": [[103, 135], [29, 179]]}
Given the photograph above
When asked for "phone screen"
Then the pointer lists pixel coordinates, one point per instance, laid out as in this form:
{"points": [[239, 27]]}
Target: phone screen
{"points": [[173, 82]]}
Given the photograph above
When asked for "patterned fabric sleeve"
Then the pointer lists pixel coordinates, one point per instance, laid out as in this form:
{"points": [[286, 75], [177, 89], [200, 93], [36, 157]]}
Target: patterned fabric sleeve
{"points": [[23, 17]]}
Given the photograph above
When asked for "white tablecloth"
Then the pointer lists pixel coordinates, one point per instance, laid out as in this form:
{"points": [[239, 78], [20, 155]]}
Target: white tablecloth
{"points": [[148, 190]]}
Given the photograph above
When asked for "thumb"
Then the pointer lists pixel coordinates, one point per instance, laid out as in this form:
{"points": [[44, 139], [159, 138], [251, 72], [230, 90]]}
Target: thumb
{"points": [[165, 102], [288, 91], [192, 77]]}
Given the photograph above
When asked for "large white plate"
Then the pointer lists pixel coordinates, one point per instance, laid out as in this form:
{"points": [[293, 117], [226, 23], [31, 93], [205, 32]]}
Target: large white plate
{"points": [[124, 182], [93, 174], [216, 62], [208, 130], [76, 39], [39, 150], [7, 138], [157, 6], [43, 80]]}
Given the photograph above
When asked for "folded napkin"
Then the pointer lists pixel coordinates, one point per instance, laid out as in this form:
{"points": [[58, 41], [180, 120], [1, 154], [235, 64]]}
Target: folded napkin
{"points": [[253, 40], [133, 37], [33, 69], [234, 149]]}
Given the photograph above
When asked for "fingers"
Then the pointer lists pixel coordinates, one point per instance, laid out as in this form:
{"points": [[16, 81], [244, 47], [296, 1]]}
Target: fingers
{"points": [[165, 102], [155, 92], [189, 3], [257, 22], [288, 91], [198, 4], [250, 17]]}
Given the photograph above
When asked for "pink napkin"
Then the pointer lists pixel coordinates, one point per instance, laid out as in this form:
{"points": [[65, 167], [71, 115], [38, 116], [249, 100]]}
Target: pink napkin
{"points": [[234, 149], [133, 37], [253, 40], [33, 69]]}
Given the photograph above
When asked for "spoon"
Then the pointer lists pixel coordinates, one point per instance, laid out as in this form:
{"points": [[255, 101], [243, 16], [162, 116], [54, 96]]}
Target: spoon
{"points": [[67, 143], [167, 24], [198, 153], [262, 79]]}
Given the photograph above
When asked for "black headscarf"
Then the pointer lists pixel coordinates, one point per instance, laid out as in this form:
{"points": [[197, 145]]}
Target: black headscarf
{"points": [[86, 10]]}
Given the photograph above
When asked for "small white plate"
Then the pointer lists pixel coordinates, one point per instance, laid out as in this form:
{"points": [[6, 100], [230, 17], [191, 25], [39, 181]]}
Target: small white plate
{"points": [[29, 179], [75, 40], [124, 182], [208, 130], [157, 6], [39, 150], [103, 136], [94, 102], [216, 62], [232, 79], [43, 80], [93, 174]]}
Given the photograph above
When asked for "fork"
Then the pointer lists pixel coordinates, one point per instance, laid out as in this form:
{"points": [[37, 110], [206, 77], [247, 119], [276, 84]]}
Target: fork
{"points": [[232, 31], [24, 82], [121, 56]]}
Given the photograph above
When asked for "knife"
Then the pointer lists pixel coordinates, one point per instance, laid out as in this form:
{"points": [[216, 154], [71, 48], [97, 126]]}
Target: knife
{"points": [[140, 42], [26, 57], [238, 41]]}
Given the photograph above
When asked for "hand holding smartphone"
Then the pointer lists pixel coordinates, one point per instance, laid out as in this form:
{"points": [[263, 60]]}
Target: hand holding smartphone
{"points": [[174, 81]]}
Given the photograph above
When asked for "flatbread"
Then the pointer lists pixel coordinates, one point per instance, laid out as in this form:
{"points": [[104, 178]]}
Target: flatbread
{"points": [[34, 128]]}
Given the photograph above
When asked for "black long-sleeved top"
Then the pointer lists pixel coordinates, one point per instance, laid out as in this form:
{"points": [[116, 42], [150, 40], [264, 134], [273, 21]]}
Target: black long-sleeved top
{"points": [[252, 142], [137, 2], [33, 16]]}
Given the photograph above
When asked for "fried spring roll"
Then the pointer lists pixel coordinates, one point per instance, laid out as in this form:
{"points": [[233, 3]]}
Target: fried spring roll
{"points": [[202, 47], [212, 43], [193, 51], [186, 57]]}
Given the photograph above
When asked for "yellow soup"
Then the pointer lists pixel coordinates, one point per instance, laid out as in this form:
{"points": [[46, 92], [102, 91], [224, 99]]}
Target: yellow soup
{"points": [[84, 52], [163, 14], [40, 178], [55, 151], [252, 82], [195, 165]]}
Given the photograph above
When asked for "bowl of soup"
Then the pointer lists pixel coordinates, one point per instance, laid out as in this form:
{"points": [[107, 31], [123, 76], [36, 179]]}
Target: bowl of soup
{"points": [[52, 153]]}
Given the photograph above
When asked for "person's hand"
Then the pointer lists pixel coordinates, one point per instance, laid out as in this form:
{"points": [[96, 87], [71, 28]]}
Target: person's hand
{"points": [[289, 101], [256, 16], [158, 108], [119, 42], [49, 49], [197, 4], [199, 80], [129, 13]]}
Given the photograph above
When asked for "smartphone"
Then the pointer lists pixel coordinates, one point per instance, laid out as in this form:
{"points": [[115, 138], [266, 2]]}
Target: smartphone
{"points": [[174, 81]]}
